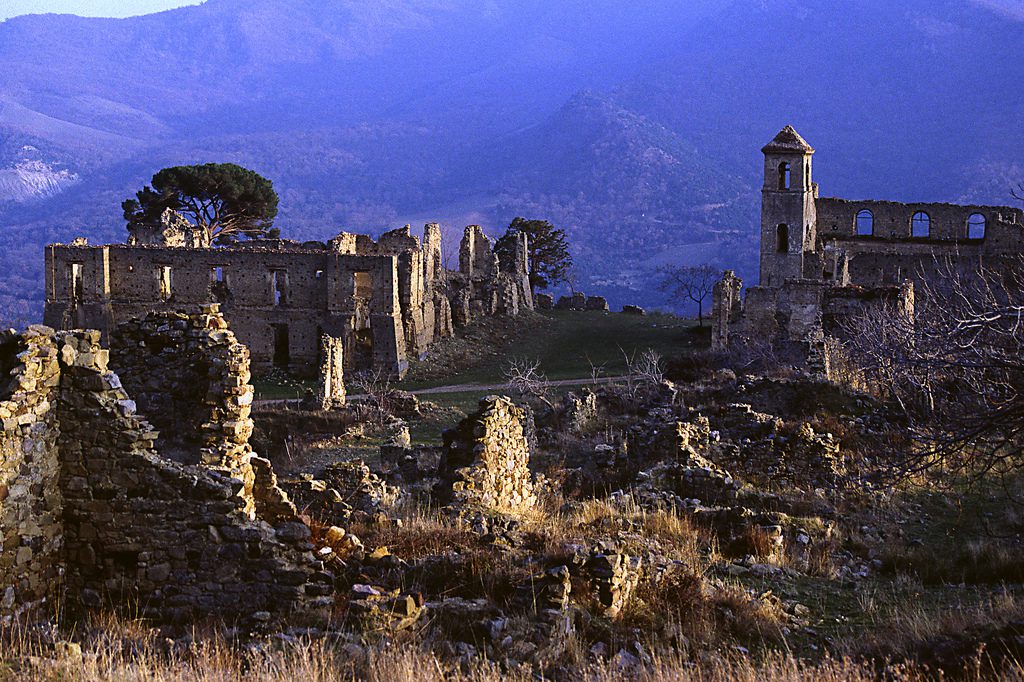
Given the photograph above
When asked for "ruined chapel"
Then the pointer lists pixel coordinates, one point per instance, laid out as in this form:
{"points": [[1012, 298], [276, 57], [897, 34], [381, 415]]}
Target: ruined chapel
{"points": [[823, 259]]}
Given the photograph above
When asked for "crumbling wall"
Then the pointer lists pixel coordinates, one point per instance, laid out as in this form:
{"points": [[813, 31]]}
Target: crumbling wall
{"points": [[172, 540], [31, 538], [893, 220], [484, 286], [795, 318], [486, 460], [189, 376], [85, 492], [170, 229]]}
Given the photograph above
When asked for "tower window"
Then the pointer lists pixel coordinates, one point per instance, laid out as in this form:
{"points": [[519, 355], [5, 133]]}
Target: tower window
{"points": [[782, 239], [785, 175], [921, 225], [865, 223], [976, 226], [217, 274]]}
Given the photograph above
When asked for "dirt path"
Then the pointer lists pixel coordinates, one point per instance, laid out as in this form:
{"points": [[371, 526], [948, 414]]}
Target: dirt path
{"points": [[463, 388]]}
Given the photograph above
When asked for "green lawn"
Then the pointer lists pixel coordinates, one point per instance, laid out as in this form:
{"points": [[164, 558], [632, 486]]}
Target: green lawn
{"points": [[566, 343]]}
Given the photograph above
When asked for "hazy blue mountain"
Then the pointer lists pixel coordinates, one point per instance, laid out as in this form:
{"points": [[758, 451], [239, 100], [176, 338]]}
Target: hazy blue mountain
{"points": [[635, 125]]}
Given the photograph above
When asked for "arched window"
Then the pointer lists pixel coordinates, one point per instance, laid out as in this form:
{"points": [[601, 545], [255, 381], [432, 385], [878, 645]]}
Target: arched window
{"points": [[976, 226], [785, 175], [921, 225], [782, 239], [865, 223]]}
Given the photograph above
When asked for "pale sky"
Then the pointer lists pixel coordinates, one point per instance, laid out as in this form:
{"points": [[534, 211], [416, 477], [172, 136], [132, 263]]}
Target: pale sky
{"points": [[89, 8]]}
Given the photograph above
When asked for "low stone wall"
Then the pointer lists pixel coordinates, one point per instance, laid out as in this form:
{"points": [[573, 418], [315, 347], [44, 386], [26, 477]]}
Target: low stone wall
{"points": [[486, 459]]}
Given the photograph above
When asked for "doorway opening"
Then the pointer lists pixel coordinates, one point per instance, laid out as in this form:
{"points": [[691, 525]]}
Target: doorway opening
{"points": [[282, 355]]}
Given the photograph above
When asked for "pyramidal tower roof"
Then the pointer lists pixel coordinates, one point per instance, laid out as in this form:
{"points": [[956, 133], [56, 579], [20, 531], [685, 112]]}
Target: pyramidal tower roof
{"points": [[788, 141]]}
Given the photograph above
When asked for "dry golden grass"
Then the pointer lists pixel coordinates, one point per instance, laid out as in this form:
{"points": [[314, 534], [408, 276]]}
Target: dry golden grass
{"points": [[126, 653]]}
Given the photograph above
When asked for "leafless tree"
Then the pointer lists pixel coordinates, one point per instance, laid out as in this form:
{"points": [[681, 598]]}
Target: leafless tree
{"points": [[1018, 192], [642, 369], [692, 282], [955, 369], [523, 376], [375, 385]]}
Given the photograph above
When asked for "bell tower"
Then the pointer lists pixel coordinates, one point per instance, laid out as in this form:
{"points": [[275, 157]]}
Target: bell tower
{"points": [[788, 216]]}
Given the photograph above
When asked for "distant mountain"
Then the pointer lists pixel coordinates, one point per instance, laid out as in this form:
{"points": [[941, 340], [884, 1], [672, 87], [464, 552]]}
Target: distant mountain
{"points": [[634, 125]]}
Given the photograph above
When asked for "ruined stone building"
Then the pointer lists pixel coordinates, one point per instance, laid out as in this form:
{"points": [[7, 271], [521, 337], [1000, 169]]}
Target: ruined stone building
{"points": [[137, 488], [383, 301], [823, 259]]}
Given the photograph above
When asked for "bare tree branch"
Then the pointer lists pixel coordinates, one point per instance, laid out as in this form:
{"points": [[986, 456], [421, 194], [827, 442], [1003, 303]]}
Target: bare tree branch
{"points": [[694, 283]]}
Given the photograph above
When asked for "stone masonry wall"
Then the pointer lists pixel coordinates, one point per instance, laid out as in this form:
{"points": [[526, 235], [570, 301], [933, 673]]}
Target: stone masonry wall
{"points": [[190, 376], [31, 538], [129, 528], [386, 299], [486, 460]]}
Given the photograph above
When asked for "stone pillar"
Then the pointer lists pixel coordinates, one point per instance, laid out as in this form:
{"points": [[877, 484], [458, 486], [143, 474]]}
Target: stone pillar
{"points": [[332, 377], [726, 306]]}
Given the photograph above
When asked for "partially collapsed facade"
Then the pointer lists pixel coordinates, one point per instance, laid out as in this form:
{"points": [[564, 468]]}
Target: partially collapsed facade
{"points": [[385, 300]]}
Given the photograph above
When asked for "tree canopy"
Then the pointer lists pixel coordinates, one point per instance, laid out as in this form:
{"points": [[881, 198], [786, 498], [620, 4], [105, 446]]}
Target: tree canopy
{"points": [[548, 249], [228, 201]]}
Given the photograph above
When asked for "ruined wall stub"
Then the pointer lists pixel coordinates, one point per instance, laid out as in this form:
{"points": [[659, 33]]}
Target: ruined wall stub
{"points": [[31, 503], [726, 308], [486, 460], [189, 376], [331, 386]]}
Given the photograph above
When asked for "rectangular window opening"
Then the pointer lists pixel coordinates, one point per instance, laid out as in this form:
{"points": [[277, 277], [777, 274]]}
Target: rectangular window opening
{"points": [[363, 285], [166, 283], [218, 273], [75, 277], [279, 287]]}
